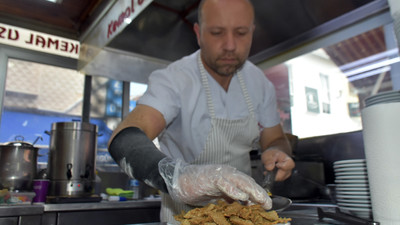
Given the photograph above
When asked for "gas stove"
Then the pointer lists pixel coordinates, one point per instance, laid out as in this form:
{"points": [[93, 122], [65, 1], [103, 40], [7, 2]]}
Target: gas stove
{"points": [[321, 214]]}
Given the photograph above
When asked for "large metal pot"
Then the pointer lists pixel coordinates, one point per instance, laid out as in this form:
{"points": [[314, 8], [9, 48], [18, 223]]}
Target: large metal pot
{"points": [[72, 157], [18, 161]]}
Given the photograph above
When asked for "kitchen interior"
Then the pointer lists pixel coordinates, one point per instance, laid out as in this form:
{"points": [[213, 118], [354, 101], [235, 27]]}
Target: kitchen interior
{"points": [[327, 60]]}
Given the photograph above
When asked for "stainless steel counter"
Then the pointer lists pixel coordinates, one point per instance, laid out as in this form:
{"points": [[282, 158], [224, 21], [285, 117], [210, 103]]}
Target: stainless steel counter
{"points": [[20, 210], [23, 214], [131, 204], [102, 213]]}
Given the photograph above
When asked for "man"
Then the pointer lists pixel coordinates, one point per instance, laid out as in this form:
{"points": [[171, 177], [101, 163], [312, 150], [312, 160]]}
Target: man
{"points": [[208, 110]]}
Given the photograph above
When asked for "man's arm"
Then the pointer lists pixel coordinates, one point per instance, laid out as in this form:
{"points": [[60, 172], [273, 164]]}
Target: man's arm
{"points": [[144, 117], [132, 148], [275, 137], [276, 151]]}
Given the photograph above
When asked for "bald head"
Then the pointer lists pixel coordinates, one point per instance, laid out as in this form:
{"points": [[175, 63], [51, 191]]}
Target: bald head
{"points": [[221, 4]]}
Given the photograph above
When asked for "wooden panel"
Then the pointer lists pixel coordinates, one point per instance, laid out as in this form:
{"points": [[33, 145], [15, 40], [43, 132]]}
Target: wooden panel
{"points": [[68, 16]]}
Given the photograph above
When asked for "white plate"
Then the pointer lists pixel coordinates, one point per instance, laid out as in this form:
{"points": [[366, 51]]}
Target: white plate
{"points": [[347, 161], [353, 197], [383, 97], [387, 100], [351, 189], [350, 165], [341, 181], [351, 173], [356, 177], [357, 201], [368, 206], [352, 185], [351, 193], [359, 209], [351, 169]]}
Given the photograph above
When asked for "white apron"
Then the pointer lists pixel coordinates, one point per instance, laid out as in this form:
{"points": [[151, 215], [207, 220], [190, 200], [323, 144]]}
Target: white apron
{"points": [[229, 142]]}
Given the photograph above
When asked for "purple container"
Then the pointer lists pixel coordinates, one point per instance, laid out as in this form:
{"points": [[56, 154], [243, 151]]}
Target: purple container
{"points": [[40, 187]]}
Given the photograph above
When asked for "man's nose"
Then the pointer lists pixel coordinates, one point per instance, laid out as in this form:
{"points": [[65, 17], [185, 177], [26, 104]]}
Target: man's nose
{"points": [[229, 42]]}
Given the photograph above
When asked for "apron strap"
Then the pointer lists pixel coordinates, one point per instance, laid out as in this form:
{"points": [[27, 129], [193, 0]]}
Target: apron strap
{"points": [[246, 94], [206, 87]]}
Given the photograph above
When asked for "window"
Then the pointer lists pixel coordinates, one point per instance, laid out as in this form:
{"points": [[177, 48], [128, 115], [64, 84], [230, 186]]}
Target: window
{"points": [[37, 95], [328, 86]]}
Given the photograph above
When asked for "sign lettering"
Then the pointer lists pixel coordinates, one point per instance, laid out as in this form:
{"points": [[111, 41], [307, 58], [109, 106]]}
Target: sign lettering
{"points": [[115, 24], [38, 41]]}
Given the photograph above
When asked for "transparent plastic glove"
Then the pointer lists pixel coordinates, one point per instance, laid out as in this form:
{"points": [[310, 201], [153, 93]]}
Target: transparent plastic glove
{"points": [[200, 184]]}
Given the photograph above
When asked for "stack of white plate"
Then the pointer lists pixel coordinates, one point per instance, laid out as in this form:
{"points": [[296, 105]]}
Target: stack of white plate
{"points": [[352, 189], [383, 97]]}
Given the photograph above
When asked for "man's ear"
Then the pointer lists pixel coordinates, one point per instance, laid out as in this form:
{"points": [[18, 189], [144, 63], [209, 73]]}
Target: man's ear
{"points": [[196, 28]]}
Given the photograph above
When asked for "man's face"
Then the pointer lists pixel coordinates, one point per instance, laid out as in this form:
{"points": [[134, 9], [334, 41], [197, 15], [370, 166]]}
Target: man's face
{"points": [[225, 35]]}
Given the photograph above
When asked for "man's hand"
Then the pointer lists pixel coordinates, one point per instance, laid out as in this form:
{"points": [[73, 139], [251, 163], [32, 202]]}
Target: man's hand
{"points": [[199, 184], [273, 157]]}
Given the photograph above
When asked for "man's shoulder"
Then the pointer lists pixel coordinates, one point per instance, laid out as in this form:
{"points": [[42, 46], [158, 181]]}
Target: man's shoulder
{"points": [[179, 74], [251, 67], [184, 63], [185, 67], [254, 73]]}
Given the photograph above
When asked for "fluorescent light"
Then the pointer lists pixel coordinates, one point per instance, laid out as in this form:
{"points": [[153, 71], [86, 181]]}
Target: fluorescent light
{"points": [[369, 73], [55, 1], [373, 58], [128, 20], [379, 64]]}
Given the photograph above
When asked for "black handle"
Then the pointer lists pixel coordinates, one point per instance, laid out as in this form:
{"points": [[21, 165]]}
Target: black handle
{"points": [[344, 217], [69, 172], [37, 139], [269, 178], [87, 171]]}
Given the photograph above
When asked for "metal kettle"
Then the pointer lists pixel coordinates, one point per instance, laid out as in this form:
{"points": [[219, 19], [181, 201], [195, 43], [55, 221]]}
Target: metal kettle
{"points": [[72, 154]]}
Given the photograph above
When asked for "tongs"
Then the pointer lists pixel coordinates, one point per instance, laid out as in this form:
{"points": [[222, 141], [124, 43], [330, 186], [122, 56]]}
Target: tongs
{"points": [[269, 180]]}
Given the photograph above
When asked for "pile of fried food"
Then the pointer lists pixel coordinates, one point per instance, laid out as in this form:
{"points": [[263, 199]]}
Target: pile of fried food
{"points": [[235, 213]]}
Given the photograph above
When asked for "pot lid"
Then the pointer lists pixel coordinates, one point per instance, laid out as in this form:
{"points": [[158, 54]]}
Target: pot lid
{"points": [[19, 142]]}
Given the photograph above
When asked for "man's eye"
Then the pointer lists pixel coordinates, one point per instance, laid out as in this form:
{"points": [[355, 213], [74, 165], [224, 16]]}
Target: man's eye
{"points": [[242, 32], [216, 33]]}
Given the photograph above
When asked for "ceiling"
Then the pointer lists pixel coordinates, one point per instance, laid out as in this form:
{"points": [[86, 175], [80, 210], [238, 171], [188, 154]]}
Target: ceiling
{"points": [[69, 19], [164, 29]]}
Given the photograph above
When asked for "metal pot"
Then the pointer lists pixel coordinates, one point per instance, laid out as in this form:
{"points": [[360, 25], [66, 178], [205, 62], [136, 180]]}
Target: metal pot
{"points": [[18, 161]]}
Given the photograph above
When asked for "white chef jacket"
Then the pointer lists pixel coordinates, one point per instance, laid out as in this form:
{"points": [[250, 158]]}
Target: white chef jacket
{"points": [[177, 93]]}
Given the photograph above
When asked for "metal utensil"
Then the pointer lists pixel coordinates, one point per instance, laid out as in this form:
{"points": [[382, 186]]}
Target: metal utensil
{"points": [[269, 179], [280, 203]]}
